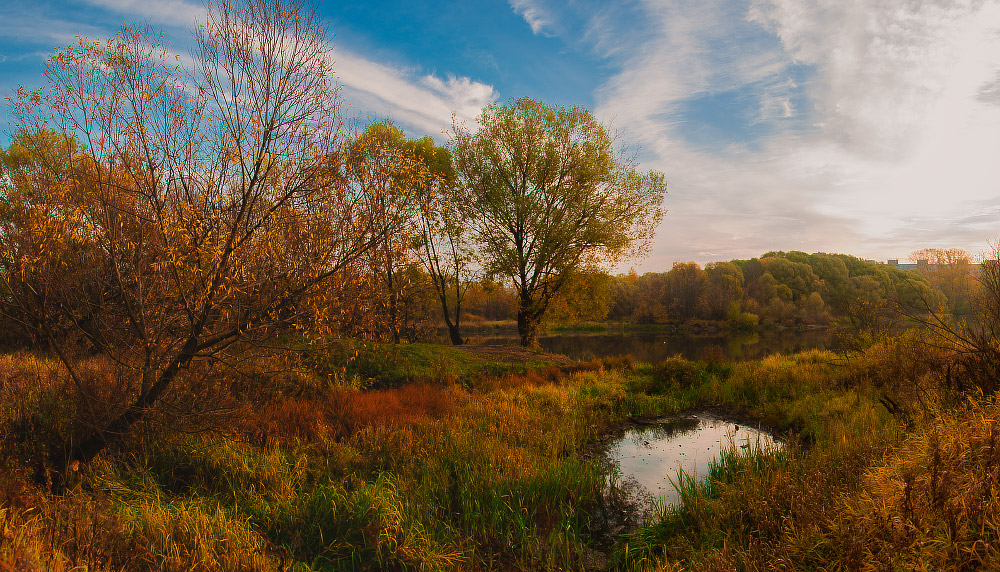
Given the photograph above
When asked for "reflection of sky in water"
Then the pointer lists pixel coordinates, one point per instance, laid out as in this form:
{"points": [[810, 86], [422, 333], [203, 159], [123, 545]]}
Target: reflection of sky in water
{"points": [[652, 455]]}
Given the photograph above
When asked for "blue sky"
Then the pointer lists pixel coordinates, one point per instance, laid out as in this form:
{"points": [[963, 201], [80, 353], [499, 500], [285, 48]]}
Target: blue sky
{"points": [[858, 126]]}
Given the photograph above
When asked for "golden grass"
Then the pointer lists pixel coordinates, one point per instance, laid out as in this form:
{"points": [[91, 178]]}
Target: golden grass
{"points": [[935, 503]]}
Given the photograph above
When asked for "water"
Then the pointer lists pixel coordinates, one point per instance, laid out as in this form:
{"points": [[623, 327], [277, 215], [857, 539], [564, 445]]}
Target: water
{"points": [[653, 347], [647, 457]]}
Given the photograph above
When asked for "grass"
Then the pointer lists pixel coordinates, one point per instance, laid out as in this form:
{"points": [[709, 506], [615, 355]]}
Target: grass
{"points": [[586, 327], [364, 365], [431, 458], [927, 503], [857, 487], [319, 475]]}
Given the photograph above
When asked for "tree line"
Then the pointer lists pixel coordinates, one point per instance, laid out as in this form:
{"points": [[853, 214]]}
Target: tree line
{"points": [[165, 215], [778, 289]]}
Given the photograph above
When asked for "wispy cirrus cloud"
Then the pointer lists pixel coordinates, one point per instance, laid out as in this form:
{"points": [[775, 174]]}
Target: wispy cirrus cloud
{"points": [[533, 13], [989, 92], [423, 103]]}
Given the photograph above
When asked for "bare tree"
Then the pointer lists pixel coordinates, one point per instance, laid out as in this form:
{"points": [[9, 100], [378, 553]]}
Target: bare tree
{"points": [[444, 246], [969, 343]]}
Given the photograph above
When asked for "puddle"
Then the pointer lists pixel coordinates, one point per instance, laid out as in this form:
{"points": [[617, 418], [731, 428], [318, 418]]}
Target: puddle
{"points": [[649, 455]]}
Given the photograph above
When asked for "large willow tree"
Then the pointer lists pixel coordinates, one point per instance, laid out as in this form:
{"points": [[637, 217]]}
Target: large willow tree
{"points": [[199, 210], [548, 196]]}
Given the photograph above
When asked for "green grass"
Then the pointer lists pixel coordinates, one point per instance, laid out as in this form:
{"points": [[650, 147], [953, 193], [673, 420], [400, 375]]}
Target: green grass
{"points": [[366, 364], [432, 477], [589, 327]]}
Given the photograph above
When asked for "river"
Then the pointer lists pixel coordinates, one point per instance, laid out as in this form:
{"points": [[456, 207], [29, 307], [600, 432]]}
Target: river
{"points": [[653, 347]]}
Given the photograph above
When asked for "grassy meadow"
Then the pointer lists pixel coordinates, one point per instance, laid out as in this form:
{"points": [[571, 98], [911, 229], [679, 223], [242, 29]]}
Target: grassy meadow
{"points": [[425, 457]]}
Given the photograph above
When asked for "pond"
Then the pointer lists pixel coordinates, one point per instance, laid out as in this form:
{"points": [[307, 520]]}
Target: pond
{"points": [[653, 347], [648, 457]]}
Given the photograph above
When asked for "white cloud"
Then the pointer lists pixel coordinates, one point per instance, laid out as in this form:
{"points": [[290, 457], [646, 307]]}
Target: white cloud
{"points": [[898, 104], [883, 66], [465, 97], [534, 14], [424, 104], [164, 12], [990, 92]]}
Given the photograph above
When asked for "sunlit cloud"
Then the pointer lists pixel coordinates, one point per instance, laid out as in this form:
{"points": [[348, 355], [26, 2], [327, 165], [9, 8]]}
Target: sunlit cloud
{"points": [[858, 126], [420, 102]]}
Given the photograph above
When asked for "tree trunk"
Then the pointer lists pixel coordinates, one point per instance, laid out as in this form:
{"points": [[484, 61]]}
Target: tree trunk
{"points": [[454, 329], [527, 324], [87, 449], [456, 334], [393, 301]]}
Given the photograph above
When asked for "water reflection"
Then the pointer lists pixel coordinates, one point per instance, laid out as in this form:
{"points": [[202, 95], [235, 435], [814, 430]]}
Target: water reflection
{"points": [[651, 455], [655, 347]]}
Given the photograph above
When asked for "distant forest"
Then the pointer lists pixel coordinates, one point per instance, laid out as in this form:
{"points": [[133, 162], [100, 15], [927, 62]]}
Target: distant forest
{"points": [[778, 289], [792, 289]]}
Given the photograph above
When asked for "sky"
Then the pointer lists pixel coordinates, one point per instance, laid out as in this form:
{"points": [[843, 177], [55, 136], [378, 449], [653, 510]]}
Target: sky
{"points": [[865, 127]]}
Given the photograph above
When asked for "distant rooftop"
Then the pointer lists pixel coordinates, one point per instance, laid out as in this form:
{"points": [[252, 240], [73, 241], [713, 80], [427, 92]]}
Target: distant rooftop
{"points": [[924, 265]]}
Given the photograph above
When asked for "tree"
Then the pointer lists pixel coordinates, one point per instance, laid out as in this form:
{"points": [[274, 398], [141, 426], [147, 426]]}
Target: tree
{"points": [[585, 296], [950, 271], [377, 163], [444, 250], [683, 289], [546, 194], [972, 340], [724, 287], [34, 163], [206, 211]]}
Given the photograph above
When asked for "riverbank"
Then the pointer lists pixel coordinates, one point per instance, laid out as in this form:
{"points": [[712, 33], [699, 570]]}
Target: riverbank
{"points": [[445, 459]]}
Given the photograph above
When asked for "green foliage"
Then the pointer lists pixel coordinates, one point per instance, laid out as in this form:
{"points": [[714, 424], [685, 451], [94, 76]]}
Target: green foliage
{"points": [[547, 196], [779, 289], [437, 159], [675, 373], [585, 296], [435, 476], [371, 364], [739, 320]]}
